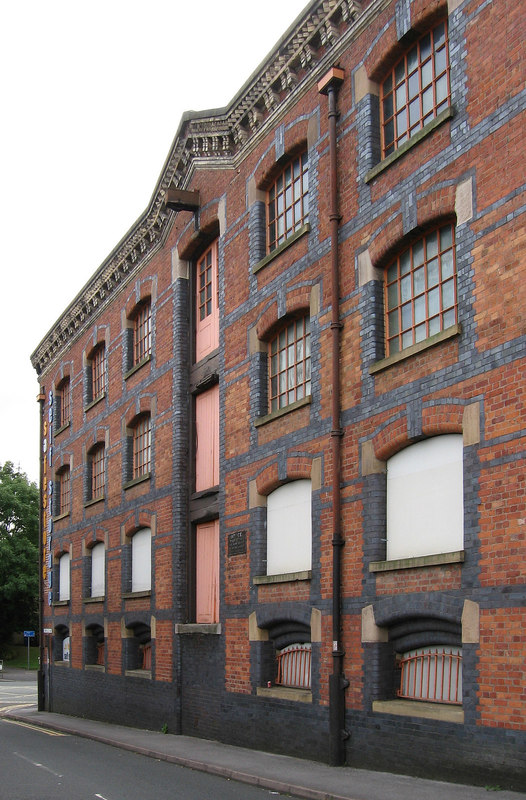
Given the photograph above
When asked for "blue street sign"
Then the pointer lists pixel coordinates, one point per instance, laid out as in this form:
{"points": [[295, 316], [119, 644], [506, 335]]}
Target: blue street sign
{"points": [[29, 634]]}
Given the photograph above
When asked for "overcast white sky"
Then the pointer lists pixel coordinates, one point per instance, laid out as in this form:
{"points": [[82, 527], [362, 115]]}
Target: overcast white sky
{"points": [[91, 97]]}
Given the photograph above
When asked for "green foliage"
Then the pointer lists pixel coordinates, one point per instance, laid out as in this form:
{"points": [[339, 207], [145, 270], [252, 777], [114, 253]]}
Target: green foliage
{"points": [[19, 501]]}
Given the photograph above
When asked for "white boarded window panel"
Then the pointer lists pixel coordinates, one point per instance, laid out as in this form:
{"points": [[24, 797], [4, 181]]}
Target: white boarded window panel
{"points": [[289, 528], [97, 570], [425, 499], [142, 561], [64, 564]]}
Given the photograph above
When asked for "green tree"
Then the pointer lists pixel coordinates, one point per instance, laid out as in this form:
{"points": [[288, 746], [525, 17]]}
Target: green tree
{"points": [[19, 502]]}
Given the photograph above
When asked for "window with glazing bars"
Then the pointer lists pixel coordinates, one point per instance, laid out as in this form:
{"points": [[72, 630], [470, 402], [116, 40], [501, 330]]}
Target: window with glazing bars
{"points": [[416, 90], [207, 282], [142, 332], [64, 491], [65, 402], [294, 666], [432, 674], [142, 447], [289, 364], [421, 290], [288, 202], [98, 373], [98, 473]]}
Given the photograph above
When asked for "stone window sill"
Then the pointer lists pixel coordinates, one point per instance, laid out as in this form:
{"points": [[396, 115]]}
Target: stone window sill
{"points": [[136, 481], [440, 712], [209, 629], [61, 516], [286, 577], [441, 336], [95, 667], [448, 113], [61, 663], [137, 367], [456, 557], [283, 246], [138, 673], [93, 502], [95, 402], [98, 599], [61, 429], [285, 693], [57, 603], [280, 412], [132, 595]]}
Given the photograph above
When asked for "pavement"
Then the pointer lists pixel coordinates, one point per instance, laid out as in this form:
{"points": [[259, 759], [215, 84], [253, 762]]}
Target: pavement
{"points": [[300, 778]]}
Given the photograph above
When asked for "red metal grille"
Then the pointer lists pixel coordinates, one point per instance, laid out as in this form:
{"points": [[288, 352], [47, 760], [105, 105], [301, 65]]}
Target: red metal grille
{"points": [[434, 675], [288, 202], [294, 666], [97, 472], [142, 447], [421, 290], [142, 332], [146, 656], [98, 375], [65, 402], [100, 654], [416, 90], [289, 364]]}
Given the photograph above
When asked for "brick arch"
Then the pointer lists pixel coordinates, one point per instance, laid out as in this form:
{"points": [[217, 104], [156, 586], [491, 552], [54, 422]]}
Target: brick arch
{"points": [[141, 518], [61, 550], [436, 206], [143, 405], [437, 420], [297, 468], [441, 419], [390, 611], [296, 142], [143, 290], [209, 231], [297, 304], [388, 49]]}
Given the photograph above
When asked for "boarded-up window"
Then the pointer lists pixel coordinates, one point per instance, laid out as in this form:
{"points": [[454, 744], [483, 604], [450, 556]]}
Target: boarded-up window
{"points": [[207, 439], [207, 572], [207, 306], [142, 560], [425, 507], [289, 528], [64, 577], [97, 570]]}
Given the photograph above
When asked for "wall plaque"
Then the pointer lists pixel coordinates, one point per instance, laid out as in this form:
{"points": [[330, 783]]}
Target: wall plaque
{"points": [[237, 543]]}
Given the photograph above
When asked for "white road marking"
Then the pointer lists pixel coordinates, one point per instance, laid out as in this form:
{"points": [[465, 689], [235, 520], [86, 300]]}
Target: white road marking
{"points": [[40, 766]]}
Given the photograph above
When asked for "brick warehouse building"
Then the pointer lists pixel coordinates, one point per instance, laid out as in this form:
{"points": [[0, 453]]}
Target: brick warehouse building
{"points": [[283, 424]]}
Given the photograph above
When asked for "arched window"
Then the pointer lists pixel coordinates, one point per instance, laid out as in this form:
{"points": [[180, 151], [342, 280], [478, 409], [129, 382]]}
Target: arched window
{"points": [[416, 90], [290, 364], [421, 290], [207, 302], [288, 201]]}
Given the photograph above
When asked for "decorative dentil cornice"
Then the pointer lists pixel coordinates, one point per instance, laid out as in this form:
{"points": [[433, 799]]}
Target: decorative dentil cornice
{"points": [[218, 138]]}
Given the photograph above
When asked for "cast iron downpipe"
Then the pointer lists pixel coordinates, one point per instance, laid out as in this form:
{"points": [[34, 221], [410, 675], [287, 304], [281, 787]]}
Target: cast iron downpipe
{"points": [[329, 86], [41, 523]]}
